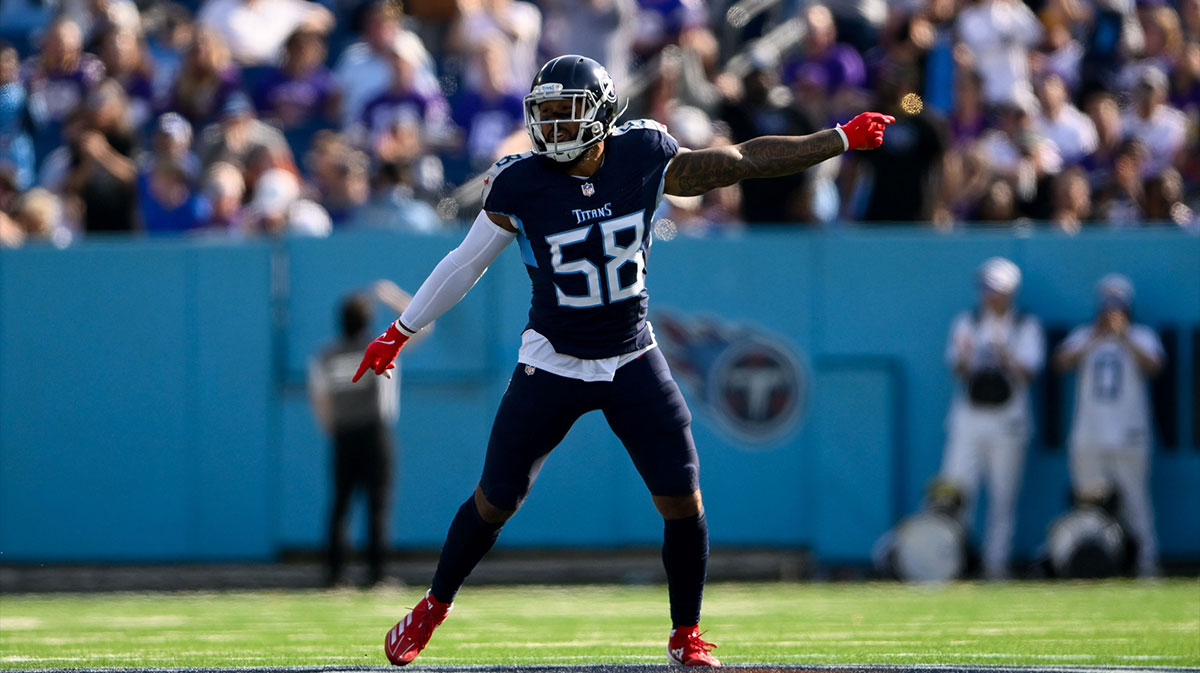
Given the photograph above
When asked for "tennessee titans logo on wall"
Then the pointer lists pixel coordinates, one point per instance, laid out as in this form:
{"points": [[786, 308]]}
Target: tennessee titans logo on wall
{"points": [[751, 381]]}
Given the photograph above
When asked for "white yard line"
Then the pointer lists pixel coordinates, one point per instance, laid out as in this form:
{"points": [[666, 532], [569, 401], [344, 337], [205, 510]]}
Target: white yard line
{"points": [[20, 623]]}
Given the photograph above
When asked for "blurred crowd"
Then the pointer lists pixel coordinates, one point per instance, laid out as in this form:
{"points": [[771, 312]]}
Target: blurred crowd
{"points": [[241, 118]]}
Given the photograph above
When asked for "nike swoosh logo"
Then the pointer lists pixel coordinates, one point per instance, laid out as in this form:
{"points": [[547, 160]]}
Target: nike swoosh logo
{"points": [[388, 342]]}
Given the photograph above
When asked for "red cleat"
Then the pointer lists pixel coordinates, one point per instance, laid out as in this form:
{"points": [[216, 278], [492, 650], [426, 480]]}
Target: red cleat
{"points": [[687, 648], [411, 634]]}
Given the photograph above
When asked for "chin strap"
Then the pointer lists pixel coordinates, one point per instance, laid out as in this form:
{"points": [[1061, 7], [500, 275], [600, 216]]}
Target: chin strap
{"points": [[593, 125]]}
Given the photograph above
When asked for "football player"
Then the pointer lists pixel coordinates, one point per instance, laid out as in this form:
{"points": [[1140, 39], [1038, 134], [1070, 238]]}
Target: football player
{"points": [[580, 206]]}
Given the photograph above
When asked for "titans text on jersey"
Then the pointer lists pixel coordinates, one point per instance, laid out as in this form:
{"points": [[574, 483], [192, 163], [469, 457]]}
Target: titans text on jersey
{"points": [[582, 216], [585, 241]]}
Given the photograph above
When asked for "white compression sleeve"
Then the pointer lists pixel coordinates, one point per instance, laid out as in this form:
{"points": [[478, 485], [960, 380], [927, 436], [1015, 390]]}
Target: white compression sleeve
{"points": [[457, 273]]}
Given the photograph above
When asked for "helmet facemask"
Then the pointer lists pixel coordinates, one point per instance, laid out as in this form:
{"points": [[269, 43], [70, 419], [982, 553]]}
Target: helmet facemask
{"points": [[586, 110]]}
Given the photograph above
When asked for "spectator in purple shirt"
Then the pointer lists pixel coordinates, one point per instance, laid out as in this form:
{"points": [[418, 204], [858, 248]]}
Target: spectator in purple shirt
{"points": [[206, 81], [490, 113], [300, 92], [664, 22], [402, 104], [1061, 52], [968, 116], [58, 79], [363, 69], [1105, 113], [840, 65], [125, 57]]}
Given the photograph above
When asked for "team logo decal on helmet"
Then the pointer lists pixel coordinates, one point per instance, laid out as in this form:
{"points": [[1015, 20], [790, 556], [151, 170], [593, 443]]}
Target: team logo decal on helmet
{"points": [[751, 381], [592, 98]]}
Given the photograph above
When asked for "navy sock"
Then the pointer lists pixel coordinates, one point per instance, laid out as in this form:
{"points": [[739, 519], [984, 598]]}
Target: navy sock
{"points": [[685, 556], [469, 539]]}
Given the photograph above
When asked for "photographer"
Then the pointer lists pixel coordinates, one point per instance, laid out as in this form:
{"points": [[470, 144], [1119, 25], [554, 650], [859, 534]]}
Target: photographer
{"points": [[994, 351], [1110, 435]]}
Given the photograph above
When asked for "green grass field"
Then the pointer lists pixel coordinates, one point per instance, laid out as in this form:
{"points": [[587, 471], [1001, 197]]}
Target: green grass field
{"points": [[1107, 623]]}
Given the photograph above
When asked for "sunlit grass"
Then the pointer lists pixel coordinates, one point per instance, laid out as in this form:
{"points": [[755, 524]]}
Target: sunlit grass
{"points": [[1098, 623]]}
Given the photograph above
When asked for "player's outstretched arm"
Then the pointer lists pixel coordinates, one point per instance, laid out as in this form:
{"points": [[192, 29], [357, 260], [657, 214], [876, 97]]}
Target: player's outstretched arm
{"points": [[446, 285], [694, 173]]}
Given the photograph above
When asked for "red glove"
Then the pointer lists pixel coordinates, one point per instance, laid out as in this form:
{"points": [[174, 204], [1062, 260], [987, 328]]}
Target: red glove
{"points": [[865, 132], [382, 352]]}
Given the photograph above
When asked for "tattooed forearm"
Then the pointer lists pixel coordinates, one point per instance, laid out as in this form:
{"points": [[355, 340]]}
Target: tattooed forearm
{"points": [[697, 172]]}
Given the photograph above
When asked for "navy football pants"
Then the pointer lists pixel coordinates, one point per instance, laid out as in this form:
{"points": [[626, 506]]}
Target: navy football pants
{"points": [[643, 407]]}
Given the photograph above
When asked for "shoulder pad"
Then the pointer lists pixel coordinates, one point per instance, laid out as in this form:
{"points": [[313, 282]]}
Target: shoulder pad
{"points": [[489, 178], [635, 124]]}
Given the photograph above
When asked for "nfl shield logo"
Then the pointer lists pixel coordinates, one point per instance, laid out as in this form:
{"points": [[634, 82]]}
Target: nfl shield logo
{"points": [[588, 189]]}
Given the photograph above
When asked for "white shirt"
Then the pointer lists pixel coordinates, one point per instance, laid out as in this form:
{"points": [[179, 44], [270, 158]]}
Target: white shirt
{"points": [[520, 28], [362, 74], [1072, 131], [1112, 408], [603, 31], [255, 31], [1065, 62], [1164, 133], [1003, 156], [1001, 33], [537, 351], [1024, 341]]}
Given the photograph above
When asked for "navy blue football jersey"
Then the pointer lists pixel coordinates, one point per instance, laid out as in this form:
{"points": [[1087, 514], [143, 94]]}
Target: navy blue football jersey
{"points": [[585, 242]]}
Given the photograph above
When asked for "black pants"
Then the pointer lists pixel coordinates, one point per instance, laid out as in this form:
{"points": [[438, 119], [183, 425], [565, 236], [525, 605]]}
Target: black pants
{"points": [[362, 458], [642, 405]]}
